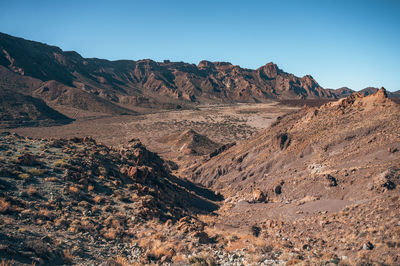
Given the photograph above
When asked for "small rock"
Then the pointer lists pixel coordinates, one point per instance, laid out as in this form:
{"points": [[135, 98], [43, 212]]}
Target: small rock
{"points": [[259, 196], [255, 230], [278, 189], [368, 246], [331, 181]]}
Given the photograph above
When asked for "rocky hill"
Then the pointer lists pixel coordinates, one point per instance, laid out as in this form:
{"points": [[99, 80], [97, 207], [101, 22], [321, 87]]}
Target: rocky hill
{"points": [[72, 201], [190, 142], [331, 138], [150, 83], [318, 160]]}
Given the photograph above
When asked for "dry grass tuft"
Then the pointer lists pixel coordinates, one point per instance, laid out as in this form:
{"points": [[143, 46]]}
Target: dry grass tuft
{"points": [[110, 234], [4, 205], [122, 261], [73, 189], [203, 261], [51, 179], [60, 163], [98, 199], [31, 191], [159, 250], [36, 172], [6, 263], [179, 259], [238, 241], [24, 176], [67, 256]]}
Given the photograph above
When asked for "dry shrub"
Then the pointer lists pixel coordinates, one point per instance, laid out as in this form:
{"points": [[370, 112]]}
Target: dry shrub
{"points": [[51, 179], [24, 176], [98, 199], [347, 262], [144, 242], [179, 259], [239, 241], [6, 263], [4, 205], [31, 191], [122, 261], [207, 219], [158, 249], [60, 163], [111, 234], [161, 250], [202, 260], [47, 214], [73, 189], [61, 222], [36, 172], [90, 188], [67, 256], [294, 262]]}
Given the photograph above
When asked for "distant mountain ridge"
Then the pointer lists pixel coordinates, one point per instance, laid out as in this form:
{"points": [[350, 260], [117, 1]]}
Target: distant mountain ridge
{"points": [[125, 86], [148, 82], [346, 92]]}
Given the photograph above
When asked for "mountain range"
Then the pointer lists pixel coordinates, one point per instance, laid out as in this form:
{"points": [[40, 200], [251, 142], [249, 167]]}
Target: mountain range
{"points": [[66, 79]]}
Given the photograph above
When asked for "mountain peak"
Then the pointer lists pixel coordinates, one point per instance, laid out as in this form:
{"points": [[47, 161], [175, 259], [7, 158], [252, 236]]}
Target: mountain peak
{"points": [[271, 70], [382, 93], [359, 102]]}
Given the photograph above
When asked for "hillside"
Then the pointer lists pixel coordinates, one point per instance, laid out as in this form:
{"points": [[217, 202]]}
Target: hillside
{"points": [[336, 136], [314, 174], [17, 110]]}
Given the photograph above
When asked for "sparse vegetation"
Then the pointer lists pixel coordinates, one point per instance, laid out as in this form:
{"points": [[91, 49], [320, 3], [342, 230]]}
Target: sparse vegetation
{"points": [[4, 205], [73, 189], [36, 172], [24, 176], [60, 163]]}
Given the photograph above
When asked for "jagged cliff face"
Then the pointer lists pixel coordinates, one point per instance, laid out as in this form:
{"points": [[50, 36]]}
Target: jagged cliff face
{"points": [[149, 82]]}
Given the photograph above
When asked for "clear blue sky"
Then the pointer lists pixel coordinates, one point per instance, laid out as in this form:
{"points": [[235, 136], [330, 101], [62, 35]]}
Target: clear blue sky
{"points": [[340, 43]]}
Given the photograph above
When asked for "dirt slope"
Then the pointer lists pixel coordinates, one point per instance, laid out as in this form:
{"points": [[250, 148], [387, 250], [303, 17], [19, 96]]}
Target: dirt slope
{"points": [[324, 180], [356, 136]]}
